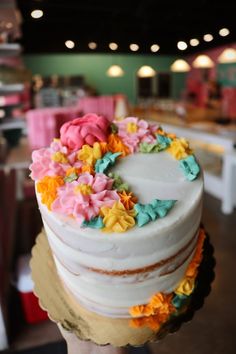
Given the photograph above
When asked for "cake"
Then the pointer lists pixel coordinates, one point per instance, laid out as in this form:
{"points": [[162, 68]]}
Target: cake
{"points": [[121, 205]]}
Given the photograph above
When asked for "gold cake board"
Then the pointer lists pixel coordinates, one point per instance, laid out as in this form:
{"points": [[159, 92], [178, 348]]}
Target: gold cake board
{"points": [[63, 309]]}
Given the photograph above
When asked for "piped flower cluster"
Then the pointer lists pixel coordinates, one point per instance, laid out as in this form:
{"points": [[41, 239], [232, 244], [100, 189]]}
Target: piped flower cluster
{"points": [[73, 179], [162, 306]]}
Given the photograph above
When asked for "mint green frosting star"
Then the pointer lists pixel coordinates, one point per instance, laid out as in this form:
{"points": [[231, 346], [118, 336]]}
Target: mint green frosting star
{"points": [[150, 212], [118, 183], [108, 160], [179, 300], [72, 177], [94, 223], [147, 148], [161, 143], [190, 167]]}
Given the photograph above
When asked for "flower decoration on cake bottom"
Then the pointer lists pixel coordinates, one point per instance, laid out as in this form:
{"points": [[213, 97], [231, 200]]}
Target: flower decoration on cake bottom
{"points": [[163, 307]]}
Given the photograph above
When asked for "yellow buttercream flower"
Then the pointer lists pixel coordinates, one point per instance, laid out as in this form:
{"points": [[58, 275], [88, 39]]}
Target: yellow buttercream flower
{"points": [[84, 189], [90, 154], [59, 157], [47, 187], [131, 128], [117, 218], [179, 148], [185, 287]]}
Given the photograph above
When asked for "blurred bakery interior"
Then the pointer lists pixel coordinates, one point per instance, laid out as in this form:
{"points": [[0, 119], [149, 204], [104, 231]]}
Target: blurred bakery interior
{"points": [[173, 63]]}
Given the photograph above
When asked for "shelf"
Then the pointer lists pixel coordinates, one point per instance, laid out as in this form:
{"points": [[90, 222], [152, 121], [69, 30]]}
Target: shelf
{"points": [[12, 123], [11, 88], [10, 49]]}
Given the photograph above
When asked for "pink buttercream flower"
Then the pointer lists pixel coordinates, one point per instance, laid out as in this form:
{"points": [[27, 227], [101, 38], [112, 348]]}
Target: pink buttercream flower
{"points": [[45, 163], [85, 130], [83, 198], [133, 131]]}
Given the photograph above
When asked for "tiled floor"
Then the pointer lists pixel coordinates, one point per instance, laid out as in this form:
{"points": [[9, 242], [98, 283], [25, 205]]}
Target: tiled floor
{"points": [[213, 328]]}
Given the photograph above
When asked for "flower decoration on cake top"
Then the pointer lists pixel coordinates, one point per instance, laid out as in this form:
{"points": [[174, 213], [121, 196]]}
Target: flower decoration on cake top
{"points": [[74, 179]]}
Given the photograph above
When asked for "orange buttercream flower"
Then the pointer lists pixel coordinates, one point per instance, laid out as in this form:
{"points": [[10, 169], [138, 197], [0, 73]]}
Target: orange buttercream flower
{"points": [[115, 144], [141, 310], [87, 168], [154, 322], [127, 199], [47, 187], [72, 170], [197, 258]]}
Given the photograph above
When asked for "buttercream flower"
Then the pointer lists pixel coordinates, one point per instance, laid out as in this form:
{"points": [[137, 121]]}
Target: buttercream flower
{"points": [[48, 188], [127, 199], [133, 131], [84, 197], [117, 218], [185, 287], [179, 148], [90, 155], [153, 322], [115, 144], [52, 161], [85, 130]]}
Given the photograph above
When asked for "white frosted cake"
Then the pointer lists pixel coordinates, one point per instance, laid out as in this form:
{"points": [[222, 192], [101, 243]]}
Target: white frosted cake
{"points": [[121, 206]]}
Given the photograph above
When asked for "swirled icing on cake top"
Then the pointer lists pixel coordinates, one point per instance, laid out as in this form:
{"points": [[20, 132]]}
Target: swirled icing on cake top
{"points": [[74, 179]]}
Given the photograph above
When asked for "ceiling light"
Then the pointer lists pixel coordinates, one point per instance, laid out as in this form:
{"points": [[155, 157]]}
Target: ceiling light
{"points": [[182, 45], [92, 45], [194, 42], [180, 66], [224, 32], [113, 46], [146, 71], [203, 62], [134, 47], [208, 37], [227, 56], [115, 71], [37, 13], [154, 48], [69, 44]]}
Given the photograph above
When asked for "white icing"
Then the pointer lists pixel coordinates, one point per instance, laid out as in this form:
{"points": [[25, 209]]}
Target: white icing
{"points": [[149, 176]]}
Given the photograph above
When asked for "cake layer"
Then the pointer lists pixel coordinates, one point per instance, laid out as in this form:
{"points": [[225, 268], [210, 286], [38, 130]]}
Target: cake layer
{"points": [[114, 300]]}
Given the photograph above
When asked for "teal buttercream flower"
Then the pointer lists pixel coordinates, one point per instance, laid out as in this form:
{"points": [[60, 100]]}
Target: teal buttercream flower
{"points": [[179, 300], [163, 142], [190, 167], [108, 160], [150, 212], [94, 223], [118, 183]]}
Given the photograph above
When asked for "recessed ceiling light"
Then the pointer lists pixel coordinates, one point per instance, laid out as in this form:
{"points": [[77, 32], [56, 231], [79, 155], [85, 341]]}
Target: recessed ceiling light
{"points": [[37, 13], [154, 48], [113, 46], [69, 44], [182, 45], [92, 45], [208, 37], [134, 47], [224, 32], [194, 42]]}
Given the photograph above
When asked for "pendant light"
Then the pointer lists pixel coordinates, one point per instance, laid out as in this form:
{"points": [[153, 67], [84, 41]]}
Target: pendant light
{"points": [[146, 71], [227, 56], [203, 62], [115, 71], [180, 66]]}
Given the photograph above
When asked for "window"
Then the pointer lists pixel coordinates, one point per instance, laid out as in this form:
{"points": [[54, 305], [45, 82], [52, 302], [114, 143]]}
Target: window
{"points": [[158, 86]]}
